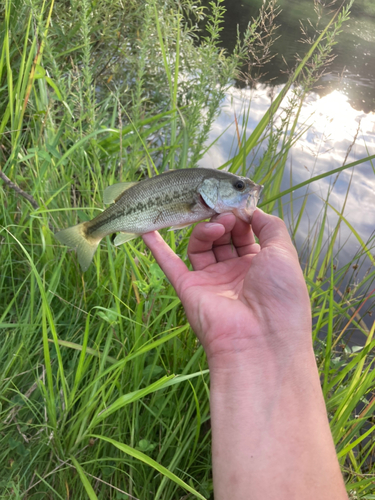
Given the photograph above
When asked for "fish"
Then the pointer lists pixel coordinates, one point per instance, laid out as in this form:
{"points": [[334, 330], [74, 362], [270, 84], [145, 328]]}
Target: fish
{"points": [[176, 198]]}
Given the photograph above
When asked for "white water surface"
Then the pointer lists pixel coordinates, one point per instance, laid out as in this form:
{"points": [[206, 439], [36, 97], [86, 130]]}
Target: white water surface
{"points": [[336, 133]]}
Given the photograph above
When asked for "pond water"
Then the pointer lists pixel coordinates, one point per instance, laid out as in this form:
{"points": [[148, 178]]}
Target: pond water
{"points": [[341, 113], [353, 70]]}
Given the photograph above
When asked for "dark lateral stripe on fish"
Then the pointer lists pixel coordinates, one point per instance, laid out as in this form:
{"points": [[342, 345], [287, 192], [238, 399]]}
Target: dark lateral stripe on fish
{"points": [[140, 207], [176, 198]]}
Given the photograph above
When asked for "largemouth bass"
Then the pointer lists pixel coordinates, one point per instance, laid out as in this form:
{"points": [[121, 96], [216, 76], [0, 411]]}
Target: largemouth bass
{"points": [[175, 198]]}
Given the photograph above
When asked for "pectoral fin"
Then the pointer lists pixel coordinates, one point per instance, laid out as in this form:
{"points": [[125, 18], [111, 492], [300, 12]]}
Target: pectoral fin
{"points": [[124, 237], [113, 192], [180, 226]]}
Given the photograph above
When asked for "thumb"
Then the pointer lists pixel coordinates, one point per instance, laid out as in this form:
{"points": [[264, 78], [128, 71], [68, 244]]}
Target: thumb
{"points": [[271, 231]]}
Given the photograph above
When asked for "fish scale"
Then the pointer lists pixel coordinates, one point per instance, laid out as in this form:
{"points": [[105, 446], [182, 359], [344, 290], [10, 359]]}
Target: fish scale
{"points": [[162, 208], [174, 198]]}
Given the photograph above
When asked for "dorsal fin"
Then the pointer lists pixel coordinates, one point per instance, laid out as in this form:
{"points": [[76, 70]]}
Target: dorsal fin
{"points": [[113, 192]]}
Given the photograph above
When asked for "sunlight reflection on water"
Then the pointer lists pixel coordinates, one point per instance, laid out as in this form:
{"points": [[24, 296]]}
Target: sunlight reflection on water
{"points": [[336, 131]]}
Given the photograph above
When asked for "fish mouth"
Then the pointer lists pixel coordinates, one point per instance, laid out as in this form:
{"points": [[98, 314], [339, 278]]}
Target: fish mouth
{"points": [[257, 190], [253, 199], [246, 213]]}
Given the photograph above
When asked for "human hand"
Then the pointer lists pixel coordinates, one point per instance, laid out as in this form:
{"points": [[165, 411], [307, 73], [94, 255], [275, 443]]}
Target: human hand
{"points": [[243, 298], [249, 306]]}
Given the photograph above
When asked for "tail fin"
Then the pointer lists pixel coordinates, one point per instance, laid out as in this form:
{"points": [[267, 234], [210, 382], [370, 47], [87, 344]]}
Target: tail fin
{"points": [[77, 238]]}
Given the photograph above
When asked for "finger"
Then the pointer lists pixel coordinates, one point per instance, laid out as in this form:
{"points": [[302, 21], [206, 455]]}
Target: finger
{"points": [[248, 249], [238, 239], [170, 263], [271, 231], [200, 250], [228, 220], [223, 247], [243, 238]]}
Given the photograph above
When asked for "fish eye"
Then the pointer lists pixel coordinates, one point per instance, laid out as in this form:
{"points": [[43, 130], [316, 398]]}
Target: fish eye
{"points": [[239, 185]]}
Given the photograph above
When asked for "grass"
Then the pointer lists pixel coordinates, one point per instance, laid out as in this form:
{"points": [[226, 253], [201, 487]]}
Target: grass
{"points": [[104, 389]]}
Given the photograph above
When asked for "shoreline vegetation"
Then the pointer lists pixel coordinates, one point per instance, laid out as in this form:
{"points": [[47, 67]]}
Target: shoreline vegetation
{"points": [[104, 388]]}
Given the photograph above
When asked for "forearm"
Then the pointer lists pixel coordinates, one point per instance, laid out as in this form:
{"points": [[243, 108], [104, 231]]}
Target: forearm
{"points": [[270, 432]]}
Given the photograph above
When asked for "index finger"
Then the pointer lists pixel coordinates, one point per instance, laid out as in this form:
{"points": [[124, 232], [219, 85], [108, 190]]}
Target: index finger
{"points": [[203, 240], [243, 238]]}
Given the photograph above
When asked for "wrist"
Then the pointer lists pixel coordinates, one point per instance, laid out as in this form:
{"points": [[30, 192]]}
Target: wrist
{"points": [[252, 352], [265, 374]]}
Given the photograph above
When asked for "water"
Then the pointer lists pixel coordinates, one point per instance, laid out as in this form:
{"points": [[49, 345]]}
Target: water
{"points": [[341, 116], [323, 147], [353, 70]]}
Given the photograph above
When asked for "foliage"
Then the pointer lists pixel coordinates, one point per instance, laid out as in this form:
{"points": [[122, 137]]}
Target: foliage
{"points": [[104, 388]]}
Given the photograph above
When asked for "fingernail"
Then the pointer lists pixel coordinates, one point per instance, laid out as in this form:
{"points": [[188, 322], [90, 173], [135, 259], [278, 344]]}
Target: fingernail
{"points": [[212, 224]]}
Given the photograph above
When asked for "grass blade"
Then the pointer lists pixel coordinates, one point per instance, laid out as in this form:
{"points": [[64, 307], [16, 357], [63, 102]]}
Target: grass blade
{"points": [[149, 461], [86, 483]]}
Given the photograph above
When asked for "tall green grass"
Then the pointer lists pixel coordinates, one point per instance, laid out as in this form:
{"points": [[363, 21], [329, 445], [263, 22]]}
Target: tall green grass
{"points": [[104, 388]]}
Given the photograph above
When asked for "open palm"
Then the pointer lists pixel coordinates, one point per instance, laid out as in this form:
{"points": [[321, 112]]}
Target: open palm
{"points": [[240, 293]]}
